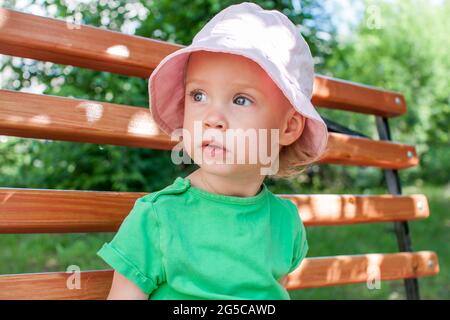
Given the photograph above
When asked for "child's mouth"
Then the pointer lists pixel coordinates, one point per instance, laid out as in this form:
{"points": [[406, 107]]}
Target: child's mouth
{"points": [[213, 149]]}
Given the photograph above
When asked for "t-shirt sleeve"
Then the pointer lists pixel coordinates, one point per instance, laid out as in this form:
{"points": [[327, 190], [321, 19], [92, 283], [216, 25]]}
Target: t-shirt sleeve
{"points": [[135, 250], [300, 242]]}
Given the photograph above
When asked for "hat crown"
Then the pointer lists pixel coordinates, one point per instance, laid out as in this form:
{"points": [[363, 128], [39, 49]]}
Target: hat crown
{"points": [[248, 26]]}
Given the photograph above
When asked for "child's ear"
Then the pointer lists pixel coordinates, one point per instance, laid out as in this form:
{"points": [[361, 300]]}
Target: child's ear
{"points": [[292, 128]]}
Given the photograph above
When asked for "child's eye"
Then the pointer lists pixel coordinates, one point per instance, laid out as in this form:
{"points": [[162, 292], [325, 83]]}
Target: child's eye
{"points": [[195, 94], [242, 99]]}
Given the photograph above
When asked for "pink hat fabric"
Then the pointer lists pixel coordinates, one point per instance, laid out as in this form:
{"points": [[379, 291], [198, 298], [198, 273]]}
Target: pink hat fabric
{"points": [[267, 37]]}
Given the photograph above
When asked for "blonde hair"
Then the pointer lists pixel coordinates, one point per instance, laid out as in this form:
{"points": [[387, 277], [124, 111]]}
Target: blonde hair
{"points": [[290, 159]]}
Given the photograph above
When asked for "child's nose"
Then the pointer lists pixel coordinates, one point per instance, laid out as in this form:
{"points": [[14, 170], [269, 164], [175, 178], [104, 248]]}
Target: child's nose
{"points": [[214, 120]]}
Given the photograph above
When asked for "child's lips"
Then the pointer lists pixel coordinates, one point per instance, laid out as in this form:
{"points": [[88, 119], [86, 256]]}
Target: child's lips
{"points": [[213, 152], [213, 145]]}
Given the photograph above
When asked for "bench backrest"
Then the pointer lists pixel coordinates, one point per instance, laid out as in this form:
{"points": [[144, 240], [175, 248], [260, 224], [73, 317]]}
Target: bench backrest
{"points": [[69, 119]]}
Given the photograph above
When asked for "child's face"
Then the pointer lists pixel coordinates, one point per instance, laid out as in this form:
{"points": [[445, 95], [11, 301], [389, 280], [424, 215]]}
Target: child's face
{"points": [[225, 92]]}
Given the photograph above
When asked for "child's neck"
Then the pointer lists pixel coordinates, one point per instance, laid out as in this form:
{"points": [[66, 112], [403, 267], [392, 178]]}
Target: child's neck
{"points": [[247, 186]]}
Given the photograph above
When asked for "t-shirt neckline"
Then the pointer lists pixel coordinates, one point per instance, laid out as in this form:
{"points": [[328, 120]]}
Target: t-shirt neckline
{"points": [[223, 198]]}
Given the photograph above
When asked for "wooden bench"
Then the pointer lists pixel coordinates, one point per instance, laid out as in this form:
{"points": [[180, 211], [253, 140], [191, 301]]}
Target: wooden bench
{"points": [[63, 211]]}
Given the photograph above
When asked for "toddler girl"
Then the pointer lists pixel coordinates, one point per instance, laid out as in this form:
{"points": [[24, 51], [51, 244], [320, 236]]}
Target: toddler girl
{"points": [[219, 233]]}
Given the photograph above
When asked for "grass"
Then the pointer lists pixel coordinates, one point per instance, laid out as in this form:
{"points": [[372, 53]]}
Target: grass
{"points": [[56, 252]]}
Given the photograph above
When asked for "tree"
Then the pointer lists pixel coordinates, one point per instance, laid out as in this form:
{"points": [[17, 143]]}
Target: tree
{"points": [[406, 50]]}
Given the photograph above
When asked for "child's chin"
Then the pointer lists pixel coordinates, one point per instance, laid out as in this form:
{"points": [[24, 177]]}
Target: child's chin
{"points": [[224, 169], [218, 167]]}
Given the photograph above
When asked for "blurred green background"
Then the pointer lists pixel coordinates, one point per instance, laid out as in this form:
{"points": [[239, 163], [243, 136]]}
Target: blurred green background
{"points": [[399, 45]]}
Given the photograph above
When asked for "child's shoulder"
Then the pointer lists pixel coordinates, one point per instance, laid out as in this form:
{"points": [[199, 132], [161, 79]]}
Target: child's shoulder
{"points": [[177, 187], [282, 203]]}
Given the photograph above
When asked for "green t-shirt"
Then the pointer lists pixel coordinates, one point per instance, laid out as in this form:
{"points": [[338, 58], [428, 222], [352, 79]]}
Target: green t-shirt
{"points": [[183, 242]]}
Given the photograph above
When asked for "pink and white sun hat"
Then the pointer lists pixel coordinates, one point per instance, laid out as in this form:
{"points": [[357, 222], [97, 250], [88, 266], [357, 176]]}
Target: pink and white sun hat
{"points": [[267, 37]]}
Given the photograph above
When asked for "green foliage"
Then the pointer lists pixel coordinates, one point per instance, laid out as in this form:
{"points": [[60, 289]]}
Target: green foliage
{"points": [[405, 51]]}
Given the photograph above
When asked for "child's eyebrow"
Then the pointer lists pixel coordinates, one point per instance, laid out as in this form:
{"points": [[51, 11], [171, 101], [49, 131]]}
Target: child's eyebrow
{"points": [[242, 85], [195, 81]]}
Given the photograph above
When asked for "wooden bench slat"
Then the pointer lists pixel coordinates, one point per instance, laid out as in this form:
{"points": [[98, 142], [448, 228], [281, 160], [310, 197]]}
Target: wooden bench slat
{"points": [[339, 270], [350, 150], [58, 118], [312, 273], [47, 39], [67, 119], [356, 97], [339, 209], [95, 285], [61, 211]]}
